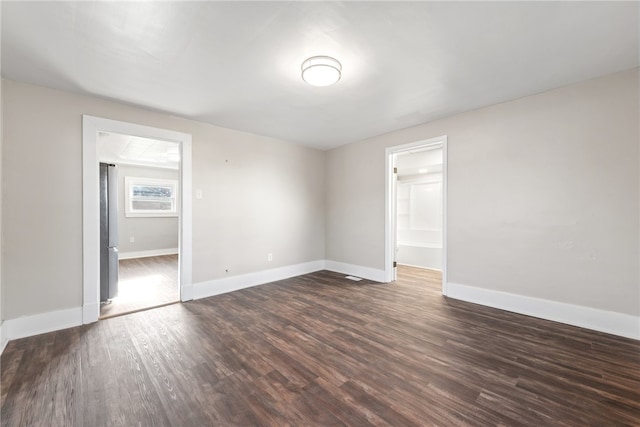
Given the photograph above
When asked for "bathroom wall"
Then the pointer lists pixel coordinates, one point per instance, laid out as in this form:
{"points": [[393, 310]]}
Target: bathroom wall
{"points": [[419, 209]]}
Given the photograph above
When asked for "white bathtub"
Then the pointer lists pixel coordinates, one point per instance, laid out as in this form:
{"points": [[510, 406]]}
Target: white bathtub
{"points": [[425, 255]]}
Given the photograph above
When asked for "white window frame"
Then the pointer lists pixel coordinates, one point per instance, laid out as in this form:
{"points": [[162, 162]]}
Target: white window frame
{"points": [[131, 212]]}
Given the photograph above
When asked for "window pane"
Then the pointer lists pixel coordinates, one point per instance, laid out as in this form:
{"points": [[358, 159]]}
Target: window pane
{"points": [[149, 197], [152, 191]]}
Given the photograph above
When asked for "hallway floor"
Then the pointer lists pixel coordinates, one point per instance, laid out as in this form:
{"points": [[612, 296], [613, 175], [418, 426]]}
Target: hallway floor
{"points": [[144, 283]]}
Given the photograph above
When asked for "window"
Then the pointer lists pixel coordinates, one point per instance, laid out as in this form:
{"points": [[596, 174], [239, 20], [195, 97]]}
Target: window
{"points": [[149, 197]]}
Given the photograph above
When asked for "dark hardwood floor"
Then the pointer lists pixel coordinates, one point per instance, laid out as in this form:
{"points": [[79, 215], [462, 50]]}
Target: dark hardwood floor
{"points": [[320, 350], [144, 283]]}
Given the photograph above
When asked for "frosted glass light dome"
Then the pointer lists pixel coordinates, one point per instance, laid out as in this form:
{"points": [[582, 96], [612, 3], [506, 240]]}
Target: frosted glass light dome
{"points": [[321, 71]]}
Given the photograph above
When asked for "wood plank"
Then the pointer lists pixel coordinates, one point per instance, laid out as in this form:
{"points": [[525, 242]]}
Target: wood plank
{"points": [[323, 350]]}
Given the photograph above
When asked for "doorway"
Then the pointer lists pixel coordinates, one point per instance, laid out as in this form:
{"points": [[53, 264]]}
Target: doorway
{"points": [[176, 145], [139, 222], [416, 207]]}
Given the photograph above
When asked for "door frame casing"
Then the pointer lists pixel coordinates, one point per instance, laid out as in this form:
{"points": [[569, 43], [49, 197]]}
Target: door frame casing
{"points": [[390, 195], [91, 212]]}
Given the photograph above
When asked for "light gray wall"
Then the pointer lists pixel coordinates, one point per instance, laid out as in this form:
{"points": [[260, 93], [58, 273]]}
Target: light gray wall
{"points": [[260, 195], [543, 196], [259, 198], [1, 197], [150, 233]]}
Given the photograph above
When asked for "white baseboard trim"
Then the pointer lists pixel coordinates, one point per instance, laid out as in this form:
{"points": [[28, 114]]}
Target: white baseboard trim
{"points": [[421, 266], [3, 337], [355, 270], [234, 283], [36, 324], [90, 313], [52, 321], [586, 317], [146, 254], [611, 322]]}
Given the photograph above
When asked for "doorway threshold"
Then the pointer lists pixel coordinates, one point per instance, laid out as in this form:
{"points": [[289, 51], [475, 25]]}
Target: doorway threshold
{"points": [[109, 316]]}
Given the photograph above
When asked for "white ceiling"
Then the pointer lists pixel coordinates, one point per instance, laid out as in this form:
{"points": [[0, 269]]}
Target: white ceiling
{"points": [[237, 64], [418, 162], [135, 150]]}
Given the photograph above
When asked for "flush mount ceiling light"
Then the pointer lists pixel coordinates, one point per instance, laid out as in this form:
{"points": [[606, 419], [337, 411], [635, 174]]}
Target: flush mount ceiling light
{"points": [[321, 71]]}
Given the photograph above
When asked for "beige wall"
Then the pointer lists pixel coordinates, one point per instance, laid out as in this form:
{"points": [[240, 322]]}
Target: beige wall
{"points": [[150, 233], [1, 197], [260, 195], [268, 198], [543, 196]]}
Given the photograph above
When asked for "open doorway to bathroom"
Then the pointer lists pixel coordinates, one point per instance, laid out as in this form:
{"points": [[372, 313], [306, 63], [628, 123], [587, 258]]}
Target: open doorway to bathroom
{"points": [[416, 211], [139, 223]]}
